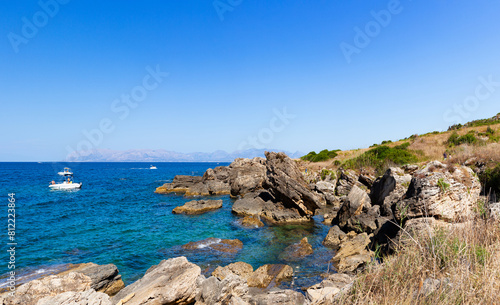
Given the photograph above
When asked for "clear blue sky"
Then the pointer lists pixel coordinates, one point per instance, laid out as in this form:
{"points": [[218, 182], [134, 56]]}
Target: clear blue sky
{"points": [[229, 67]]}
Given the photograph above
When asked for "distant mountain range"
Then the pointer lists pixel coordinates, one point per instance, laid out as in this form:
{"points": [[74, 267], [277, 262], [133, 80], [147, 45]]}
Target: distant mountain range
{"points": [[161, 155]]}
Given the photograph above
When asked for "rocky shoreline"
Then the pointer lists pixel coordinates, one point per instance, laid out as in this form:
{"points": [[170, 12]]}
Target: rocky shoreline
{"points": [[366, 214]]}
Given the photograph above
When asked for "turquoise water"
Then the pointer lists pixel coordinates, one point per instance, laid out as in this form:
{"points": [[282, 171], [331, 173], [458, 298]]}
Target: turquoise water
{"points": [[117, 218]]}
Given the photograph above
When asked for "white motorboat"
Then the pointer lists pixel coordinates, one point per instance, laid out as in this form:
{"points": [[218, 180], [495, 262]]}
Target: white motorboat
{"points": [[65, 185], [152, 167], [65, 172]]}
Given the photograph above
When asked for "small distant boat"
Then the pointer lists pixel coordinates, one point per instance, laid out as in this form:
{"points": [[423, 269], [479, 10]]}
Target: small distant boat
{"points": [[152, 167], [65, 185], [65, 172]]}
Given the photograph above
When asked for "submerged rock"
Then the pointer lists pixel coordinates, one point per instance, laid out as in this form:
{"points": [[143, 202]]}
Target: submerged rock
{"points": [[298, 250], [221, 245], [251, 222], [195, 207], [173, 281]]}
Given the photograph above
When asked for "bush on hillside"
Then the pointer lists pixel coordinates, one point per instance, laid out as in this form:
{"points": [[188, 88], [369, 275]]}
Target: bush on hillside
{"points": [[455, 139], [323, 155], [382, 156]]}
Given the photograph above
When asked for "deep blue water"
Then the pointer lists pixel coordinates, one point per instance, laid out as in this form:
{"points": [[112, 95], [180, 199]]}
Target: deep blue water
{"points": [[117, 218]]}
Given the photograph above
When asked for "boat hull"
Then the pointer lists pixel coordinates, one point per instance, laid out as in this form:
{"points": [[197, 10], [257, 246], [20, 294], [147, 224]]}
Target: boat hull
{"points": [[66, 186]]}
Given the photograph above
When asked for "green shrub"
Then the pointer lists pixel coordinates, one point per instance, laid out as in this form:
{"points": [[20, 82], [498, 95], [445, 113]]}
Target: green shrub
{"points": [[326, 172], [469, 138], [490, 179], [443, 185], [323, 155], [382, 156]]}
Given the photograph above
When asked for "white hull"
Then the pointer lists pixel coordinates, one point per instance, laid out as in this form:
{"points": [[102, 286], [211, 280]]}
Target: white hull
{"points": [[65, 173], [65, 186]]}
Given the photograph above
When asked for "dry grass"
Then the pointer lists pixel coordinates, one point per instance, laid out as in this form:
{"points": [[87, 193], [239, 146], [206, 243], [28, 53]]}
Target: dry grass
{"points": [[466, 260]]}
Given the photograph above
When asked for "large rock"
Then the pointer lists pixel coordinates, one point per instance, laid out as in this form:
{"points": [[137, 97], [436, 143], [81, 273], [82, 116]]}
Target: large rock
{"points": [[240, 269], [213, 182], [246, 175], [173, 281], [297, 251], [357, 214], [195, 207], [389, 189], [445, 192], [334, 238], [88, 297], [348, 179], [329, 289], [284, 181], [52, 285], [229, 290], [275, 296], [75, 278], [269, 275], [217, 244], [353, 254], [264, 205]]}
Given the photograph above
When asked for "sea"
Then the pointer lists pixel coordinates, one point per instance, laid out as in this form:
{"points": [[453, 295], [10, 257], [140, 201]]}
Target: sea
{"points": [[116, 218]]}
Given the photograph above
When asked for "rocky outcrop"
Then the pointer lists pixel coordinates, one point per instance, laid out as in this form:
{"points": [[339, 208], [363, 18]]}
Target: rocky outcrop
{"points": [[265, 206], [173, 281], [389, 189], [195, 207], [214, 182], [353, 254], [276, 296], [88, 297], [297, 251], [216, 244], [329, 289], [251, 222], [444, 192], [247, 175], [269, 276], [347, 179], [76, 278], [52, 285], [357, 214]]}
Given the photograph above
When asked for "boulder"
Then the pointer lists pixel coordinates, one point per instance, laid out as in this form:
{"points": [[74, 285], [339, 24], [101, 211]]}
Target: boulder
{"points": [[88, 297], [240, 269], [352, 254], [195, 207], [105, 278], [347, 180], [297, 251], [216, 244], [49, 286], [394, 180], [251, 222], [264, 205], [268, 276], [357, 213], [334, 238], [325, 187], [284, 181], [445, 192], [275, 296], [494, 209], [173, 281], [246, 175], [230, 290], [329, 289]]}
